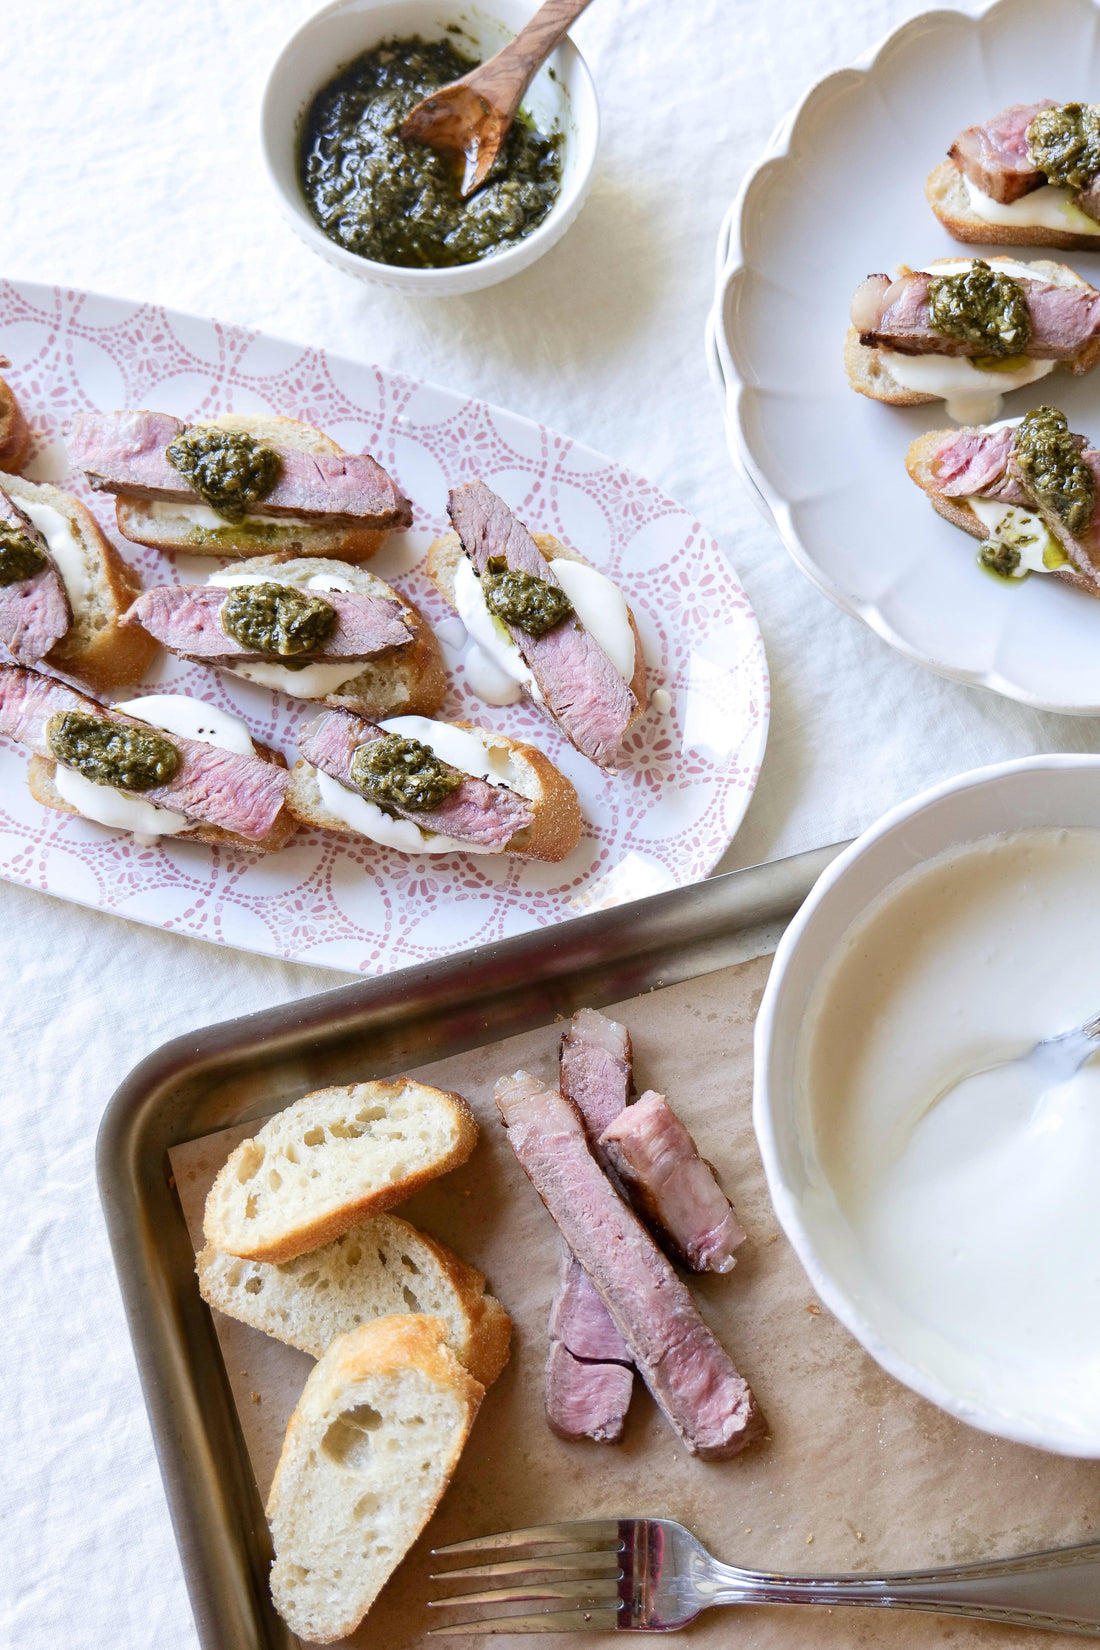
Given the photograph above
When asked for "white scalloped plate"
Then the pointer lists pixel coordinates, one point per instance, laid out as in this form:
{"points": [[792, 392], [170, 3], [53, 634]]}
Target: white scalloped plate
{"points": [[840, 193], [662, 822]]}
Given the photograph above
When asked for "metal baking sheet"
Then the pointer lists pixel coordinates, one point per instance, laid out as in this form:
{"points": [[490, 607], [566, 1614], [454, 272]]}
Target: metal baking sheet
{"points": [[249, 1067]]}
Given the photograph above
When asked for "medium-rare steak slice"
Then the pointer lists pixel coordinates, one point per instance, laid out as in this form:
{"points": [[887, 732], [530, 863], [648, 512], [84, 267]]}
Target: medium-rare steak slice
{"points": [[34, 609], [586, 1400], [707, 1402], [124, 453], [596, 1069], [581, 689], [1064, 319], [974, 464], [217, 787], [186, 619], [476, 812], [674, 1191], [994, 154]]}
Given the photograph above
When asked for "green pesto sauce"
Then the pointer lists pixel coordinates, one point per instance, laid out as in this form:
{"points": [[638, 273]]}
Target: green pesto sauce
{"points": [[1049, 459], [983, 307], [534, 605], [228, 469], [110, 753], [249, 532], [404, 773], [276, 619], [397, 202], [1064, 144], [20, 557]]}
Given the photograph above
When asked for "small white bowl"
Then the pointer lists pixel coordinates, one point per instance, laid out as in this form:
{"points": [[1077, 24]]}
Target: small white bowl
{"points": [[561, 97], [1038, 791]]}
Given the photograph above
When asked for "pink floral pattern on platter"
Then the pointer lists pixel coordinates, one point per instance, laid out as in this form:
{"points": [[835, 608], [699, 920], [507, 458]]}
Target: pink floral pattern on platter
{"points": [[337, 901]]}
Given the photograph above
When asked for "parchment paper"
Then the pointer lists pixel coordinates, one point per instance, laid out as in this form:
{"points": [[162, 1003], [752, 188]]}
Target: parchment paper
{"points": [[857, 1473]]}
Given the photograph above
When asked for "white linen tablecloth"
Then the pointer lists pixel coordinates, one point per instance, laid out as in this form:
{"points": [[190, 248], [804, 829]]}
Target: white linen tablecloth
{"points": [[131, 166]]}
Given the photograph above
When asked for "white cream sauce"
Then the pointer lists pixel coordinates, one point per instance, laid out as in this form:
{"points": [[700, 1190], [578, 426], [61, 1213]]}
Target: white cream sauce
{"points": [[65, 548], [469, 749], [175, 713], [1039, 550], [1050, 207], [316, 680], [977, 1217]]}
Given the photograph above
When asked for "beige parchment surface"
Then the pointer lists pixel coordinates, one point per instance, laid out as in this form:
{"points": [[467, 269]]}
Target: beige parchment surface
{"points": [[857, 1472]]}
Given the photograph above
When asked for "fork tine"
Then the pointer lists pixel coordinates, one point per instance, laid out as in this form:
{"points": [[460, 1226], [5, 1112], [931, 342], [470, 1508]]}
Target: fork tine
{"points": [[565, 1563], [557, 1621], [588, 1533], [597, 1588]]}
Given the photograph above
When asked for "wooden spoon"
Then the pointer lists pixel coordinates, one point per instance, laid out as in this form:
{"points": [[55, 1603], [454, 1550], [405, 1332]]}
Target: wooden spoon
{"points": [[471, 117]]}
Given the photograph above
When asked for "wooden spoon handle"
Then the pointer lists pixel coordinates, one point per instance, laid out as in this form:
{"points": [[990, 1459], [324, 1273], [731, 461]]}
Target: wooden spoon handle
{"points": [[504, 78]]}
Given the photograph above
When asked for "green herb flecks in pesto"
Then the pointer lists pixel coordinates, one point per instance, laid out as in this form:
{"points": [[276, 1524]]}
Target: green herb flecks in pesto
{"points": [[1049, 460], [982, 307], [404, 773], [397, 202], [998, 556], [20, 557], [534, 605], [1064, 144], [111, 753], [228, 469], [277, 619]]}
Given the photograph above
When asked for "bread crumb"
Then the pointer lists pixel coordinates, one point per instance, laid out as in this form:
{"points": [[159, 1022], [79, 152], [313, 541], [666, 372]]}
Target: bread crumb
{"points": [[172, 1181], [774, 1238], [748, 1529], [809, 1541], [859, 1535], [255, 1396], [814, 1310]]}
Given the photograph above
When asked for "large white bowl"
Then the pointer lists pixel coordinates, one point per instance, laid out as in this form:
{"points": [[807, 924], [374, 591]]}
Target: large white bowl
{"points": [[1041, 790], [561, 97]]}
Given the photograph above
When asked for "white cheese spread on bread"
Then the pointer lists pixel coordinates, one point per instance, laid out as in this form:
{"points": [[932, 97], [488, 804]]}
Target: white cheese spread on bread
{"points": [[64, 546], [1052, 206]]}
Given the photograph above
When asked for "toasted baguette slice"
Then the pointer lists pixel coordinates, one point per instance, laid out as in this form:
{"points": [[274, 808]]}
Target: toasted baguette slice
{"points": [[870, 375], [949, 198], [368, 1454], [96, 650], [919, 463], [445, 553], [42, 786], [165, 527], [321, 1166], [410, 681], [15, 437], [557, 825], [379, 1268]]}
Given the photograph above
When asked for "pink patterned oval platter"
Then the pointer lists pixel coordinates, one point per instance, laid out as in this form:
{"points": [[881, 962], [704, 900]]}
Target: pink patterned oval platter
{"points": [[341, 902]]}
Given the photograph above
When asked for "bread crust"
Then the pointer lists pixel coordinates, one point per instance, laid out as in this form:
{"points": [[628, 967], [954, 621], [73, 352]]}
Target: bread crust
{"points": [[552, 835], [96, 650], [946, 194], [310, 1233], [15, 437], [445, 553], [42, 786], [347, 540], [919, 462], [869, 375]]}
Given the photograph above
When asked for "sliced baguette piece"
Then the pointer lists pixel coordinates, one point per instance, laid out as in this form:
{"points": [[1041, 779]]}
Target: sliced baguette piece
{"points": [[158, 523], [410, 681], [949, 198], [331, 1159], [43, 787], [445, 553], [15, 437], [558, 821], [378, 1269], [96, 651], [369, 1452], [919, 462], [869, 373]]}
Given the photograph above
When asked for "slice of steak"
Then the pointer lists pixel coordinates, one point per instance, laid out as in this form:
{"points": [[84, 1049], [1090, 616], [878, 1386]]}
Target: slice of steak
{"points": [[994, 155], [1064, 319], [1088, 199], [1083, 549], [34, 612], [974, 464], [586, 1400], [186, 620], [243, 794], [581, 689], [578, 1317], [596, 1069], [689, 1374], [124, 453], [671, 1187], [477, 812]]}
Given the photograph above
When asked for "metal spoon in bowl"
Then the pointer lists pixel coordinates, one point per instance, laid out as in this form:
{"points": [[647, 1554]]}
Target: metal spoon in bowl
{"points": [[471, 117], [1054, 1060]]}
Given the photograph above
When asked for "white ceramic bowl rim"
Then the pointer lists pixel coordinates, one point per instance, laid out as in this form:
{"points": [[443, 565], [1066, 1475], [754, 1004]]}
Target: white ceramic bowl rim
{"points": [[786, 1204], [523, 252]]}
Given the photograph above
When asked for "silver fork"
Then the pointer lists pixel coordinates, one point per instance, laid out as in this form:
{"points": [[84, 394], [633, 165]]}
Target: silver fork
{"points": [[650, 1575]]}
